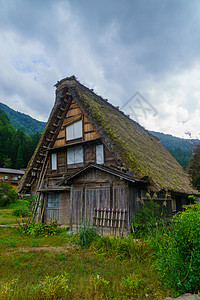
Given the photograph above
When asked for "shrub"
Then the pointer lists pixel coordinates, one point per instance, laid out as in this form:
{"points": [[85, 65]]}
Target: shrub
{"points": [[86, 234], [39, 229], [120, 248], [7, 194], [7, 289], [52, 287], [147, 218], [132, 285], [178, 257], [21, 212]]}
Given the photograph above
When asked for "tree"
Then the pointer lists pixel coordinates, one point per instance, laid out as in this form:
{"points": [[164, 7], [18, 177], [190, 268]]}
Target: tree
{"points": [[7, 194], [19, 160], [194, 167]]}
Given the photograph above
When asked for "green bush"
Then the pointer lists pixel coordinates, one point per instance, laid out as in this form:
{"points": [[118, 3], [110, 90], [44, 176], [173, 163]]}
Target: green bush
{"points": [[52, 287], [132, 285], [21, 212], [147, 218], [39, 229], [178, 253], [7, 194], [86, 234], [120, 248]]}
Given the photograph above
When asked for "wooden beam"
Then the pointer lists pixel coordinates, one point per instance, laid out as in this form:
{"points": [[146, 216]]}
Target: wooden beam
{"points": [[42, 154], [40, 161]]}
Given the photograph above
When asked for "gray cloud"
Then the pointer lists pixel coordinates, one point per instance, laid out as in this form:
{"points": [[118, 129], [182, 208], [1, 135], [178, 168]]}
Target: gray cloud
{"points": [[116, 47]]}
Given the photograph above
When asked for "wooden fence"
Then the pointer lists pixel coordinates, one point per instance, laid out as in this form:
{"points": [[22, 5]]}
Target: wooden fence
{"points": [[110, 218]]}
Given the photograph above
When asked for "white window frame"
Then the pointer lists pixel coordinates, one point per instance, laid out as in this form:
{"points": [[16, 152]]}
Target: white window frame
{"points": [[74, 130], [54, 161], [75, 155], [100, 154]]}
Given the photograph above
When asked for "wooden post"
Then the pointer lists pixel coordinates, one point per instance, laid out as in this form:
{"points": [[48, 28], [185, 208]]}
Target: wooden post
{"points": [[71, 206]]}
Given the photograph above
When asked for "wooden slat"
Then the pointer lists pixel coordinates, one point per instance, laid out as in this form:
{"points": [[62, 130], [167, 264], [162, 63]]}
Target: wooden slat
{"points": [[68, 121], [91, 136], [88, 127], [59, 143], [73, 112], [61, 134]]}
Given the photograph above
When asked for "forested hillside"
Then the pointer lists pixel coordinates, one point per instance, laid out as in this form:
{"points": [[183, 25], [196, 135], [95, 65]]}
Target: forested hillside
{"points": [[22, 121], [181, 149], [16, 147]]}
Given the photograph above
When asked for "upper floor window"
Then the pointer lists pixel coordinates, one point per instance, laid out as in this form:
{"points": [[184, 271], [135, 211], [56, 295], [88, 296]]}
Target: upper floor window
{"points": [[6, 177], [54, 161], [75, 155], [74, 130], [99, 154]]}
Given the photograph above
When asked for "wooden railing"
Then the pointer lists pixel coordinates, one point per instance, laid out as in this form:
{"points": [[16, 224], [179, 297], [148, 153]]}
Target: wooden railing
{"points": [[114, 219]]}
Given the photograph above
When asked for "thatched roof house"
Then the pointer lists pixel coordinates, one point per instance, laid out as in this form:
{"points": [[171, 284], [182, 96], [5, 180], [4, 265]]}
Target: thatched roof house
{"points": [[80, 121]]}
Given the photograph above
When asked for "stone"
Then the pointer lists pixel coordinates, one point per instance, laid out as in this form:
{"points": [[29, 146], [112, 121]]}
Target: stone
{"points": [[70, 232]]}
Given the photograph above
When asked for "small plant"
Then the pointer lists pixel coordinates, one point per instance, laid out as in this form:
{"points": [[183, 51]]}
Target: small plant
{"points": [[132, 285], [39, 229], [98, 283], [7, 289], [86, 234], [52, 287]]}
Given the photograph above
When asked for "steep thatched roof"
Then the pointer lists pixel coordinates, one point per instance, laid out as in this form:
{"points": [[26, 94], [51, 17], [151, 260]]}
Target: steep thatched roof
{"points": [[137, 150]]}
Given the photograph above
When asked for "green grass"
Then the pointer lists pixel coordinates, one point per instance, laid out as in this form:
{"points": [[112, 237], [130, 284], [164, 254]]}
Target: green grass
{"points": [[91, 275], [6, 213]]}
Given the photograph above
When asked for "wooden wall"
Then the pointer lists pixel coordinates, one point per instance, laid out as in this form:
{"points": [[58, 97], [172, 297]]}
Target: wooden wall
{"points": [[74, 114]]}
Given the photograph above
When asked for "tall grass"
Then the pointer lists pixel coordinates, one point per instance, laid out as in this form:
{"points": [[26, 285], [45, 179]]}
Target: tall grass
{"points": [[112, 268]]}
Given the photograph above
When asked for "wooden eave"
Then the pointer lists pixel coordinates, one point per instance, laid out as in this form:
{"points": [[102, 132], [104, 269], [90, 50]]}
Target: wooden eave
{"points": [[74, 144], [54, 189], [106, 169]]}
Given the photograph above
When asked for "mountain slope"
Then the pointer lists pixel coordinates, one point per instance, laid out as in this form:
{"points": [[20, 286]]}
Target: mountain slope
{"points": [[20, 120], [180, 149], [170, 142]]}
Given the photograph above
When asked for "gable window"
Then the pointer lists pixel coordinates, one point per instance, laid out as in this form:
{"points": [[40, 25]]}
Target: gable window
{"points": [[99, 154], [75, 155], [74, 131], [54, 161]]}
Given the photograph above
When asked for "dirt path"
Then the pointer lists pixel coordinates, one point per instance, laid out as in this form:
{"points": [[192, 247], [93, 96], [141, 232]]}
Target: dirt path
{"points": [[59, 249], [185, 297]]}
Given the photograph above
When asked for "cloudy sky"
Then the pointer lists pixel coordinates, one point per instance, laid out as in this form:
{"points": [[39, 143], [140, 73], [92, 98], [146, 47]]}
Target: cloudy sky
{"points": [[143, 55]]}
